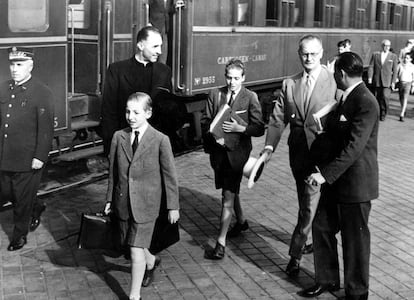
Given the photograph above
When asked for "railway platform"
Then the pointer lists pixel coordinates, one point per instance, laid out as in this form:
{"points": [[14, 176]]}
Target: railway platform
{"points": [[51, 267]]}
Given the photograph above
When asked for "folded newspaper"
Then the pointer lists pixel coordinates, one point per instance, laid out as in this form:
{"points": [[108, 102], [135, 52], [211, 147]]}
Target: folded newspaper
{"points": [[319, 115]]}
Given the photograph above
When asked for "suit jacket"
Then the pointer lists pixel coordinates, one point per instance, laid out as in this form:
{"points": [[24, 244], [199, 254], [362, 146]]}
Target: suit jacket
{"points": [[289, 109], [383, 74], [120, 82], [239, 145], [138, 181], [26, 119], [353, 174]]}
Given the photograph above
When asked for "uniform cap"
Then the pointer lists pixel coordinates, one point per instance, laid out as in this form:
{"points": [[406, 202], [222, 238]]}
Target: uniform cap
{"points": [[20, 53]]}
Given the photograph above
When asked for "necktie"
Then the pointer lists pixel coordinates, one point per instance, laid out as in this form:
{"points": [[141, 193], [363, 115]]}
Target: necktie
{"points": [[135, 142], [231, 99], [307, 93]]}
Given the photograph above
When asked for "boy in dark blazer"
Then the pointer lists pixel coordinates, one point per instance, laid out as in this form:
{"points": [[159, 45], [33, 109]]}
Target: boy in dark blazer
{"points": [[229, 157], [352, 182], [141, 167]]}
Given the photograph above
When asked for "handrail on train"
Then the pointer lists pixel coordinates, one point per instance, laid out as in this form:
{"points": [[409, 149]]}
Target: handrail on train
{"points": [[108, 12], [179, 6], [72, 49]]}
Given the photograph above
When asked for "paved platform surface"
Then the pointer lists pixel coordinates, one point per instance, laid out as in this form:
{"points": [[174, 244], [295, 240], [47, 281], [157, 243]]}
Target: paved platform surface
{"points": [[51, 267]]}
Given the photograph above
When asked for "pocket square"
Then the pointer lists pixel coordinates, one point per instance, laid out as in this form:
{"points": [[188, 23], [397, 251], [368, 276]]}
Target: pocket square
{"points": [[342, 118], [240, 111]]}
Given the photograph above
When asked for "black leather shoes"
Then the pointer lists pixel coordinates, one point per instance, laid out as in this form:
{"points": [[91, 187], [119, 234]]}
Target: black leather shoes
{"points": [[318, 289], [308, 249], [237, 229], [292, 268], [149, 274], [216, 253], [36, 219], [17, 244]]}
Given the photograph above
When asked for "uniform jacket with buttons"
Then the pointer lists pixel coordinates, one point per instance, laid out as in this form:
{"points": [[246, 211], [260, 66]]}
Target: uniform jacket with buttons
{"points": [[289, 109], [138, 181], [26, 118]]}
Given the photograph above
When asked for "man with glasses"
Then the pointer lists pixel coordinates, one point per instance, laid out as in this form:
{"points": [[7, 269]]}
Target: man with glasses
{"points": [[382, 74], [301, 96]]}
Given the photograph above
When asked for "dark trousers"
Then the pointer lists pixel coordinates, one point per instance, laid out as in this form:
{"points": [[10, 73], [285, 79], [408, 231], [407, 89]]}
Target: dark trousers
{"points": [[308, 196], [383, 96], [352, 221], [20, 188]]}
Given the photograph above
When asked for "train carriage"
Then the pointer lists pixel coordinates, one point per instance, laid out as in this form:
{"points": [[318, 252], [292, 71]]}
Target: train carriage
{"points": [[75, 40]]}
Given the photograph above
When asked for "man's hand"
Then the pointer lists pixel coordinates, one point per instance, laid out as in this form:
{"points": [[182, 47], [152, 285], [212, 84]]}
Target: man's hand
{"points": [[393, 86], [233, 126], [315, 179], [173, 215], [107, 209], [37, 164], [269, 154]]}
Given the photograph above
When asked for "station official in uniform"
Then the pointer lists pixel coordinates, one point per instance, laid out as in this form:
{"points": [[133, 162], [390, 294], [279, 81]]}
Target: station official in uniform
{"points": [[26, 132]]}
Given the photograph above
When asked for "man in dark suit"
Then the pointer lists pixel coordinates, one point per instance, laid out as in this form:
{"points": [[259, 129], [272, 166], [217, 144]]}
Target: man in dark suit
{"points": [[352, 182], [382, 73], [26, 132], [302, 95], [228, 157], [140, 73]]}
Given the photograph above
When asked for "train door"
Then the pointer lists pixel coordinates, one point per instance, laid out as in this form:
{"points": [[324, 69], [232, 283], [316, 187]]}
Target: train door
{"points": [[41, 25], [101, 32]]}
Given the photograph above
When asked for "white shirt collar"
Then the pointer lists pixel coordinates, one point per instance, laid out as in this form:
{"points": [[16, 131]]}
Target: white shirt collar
{"points": [[314, 74], [349, 90], [141, 131]]}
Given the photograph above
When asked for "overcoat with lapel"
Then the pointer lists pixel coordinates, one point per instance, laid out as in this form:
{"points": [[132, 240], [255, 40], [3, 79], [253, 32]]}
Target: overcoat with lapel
{"points": [[121, 81], [353, 173], [289, 109], [383, 74], [137, 181], [239, 145]]}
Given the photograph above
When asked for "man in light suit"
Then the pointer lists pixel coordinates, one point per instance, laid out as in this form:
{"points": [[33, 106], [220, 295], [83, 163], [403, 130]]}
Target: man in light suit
{"points": [[351, 183], [228, 158], [302, 95], [382, 74]]}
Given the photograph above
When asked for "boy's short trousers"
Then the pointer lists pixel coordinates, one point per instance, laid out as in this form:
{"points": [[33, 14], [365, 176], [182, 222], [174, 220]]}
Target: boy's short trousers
{"points": [[136, 234], [404, 89], [225, 177]]}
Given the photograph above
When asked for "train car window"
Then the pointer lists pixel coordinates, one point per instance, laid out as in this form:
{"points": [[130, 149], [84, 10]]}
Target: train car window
{"points": [[28, 15], [412, 19], [213, 13], [284, 13], [395, 13], [79, 14], [381, 15], [404, 18], [360, 14], [327, 13]]}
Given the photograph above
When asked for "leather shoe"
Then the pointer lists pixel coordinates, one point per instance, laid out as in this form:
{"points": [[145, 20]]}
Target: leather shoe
{"points": [[292, 268], [216, 253], [308, 249], [318, 289], [17, 244], [237, 229], [149, 274], [36, 219]]}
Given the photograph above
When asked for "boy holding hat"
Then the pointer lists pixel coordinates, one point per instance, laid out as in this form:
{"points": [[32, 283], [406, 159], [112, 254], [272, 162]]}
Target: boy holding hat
{"points": [[26, 132]]}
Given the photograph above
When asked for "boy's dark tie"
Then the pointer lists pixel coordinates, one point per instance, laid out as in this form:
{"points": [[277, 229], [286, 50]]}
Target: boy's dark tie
{"points": [[231, 99], [135, 142]]}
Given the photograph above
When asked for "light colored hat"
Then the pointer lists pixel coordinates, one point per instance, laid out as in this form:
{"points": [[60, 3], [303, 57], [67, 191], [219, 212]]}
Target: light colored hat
{"points": [[253, 168], [20, 53]]}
